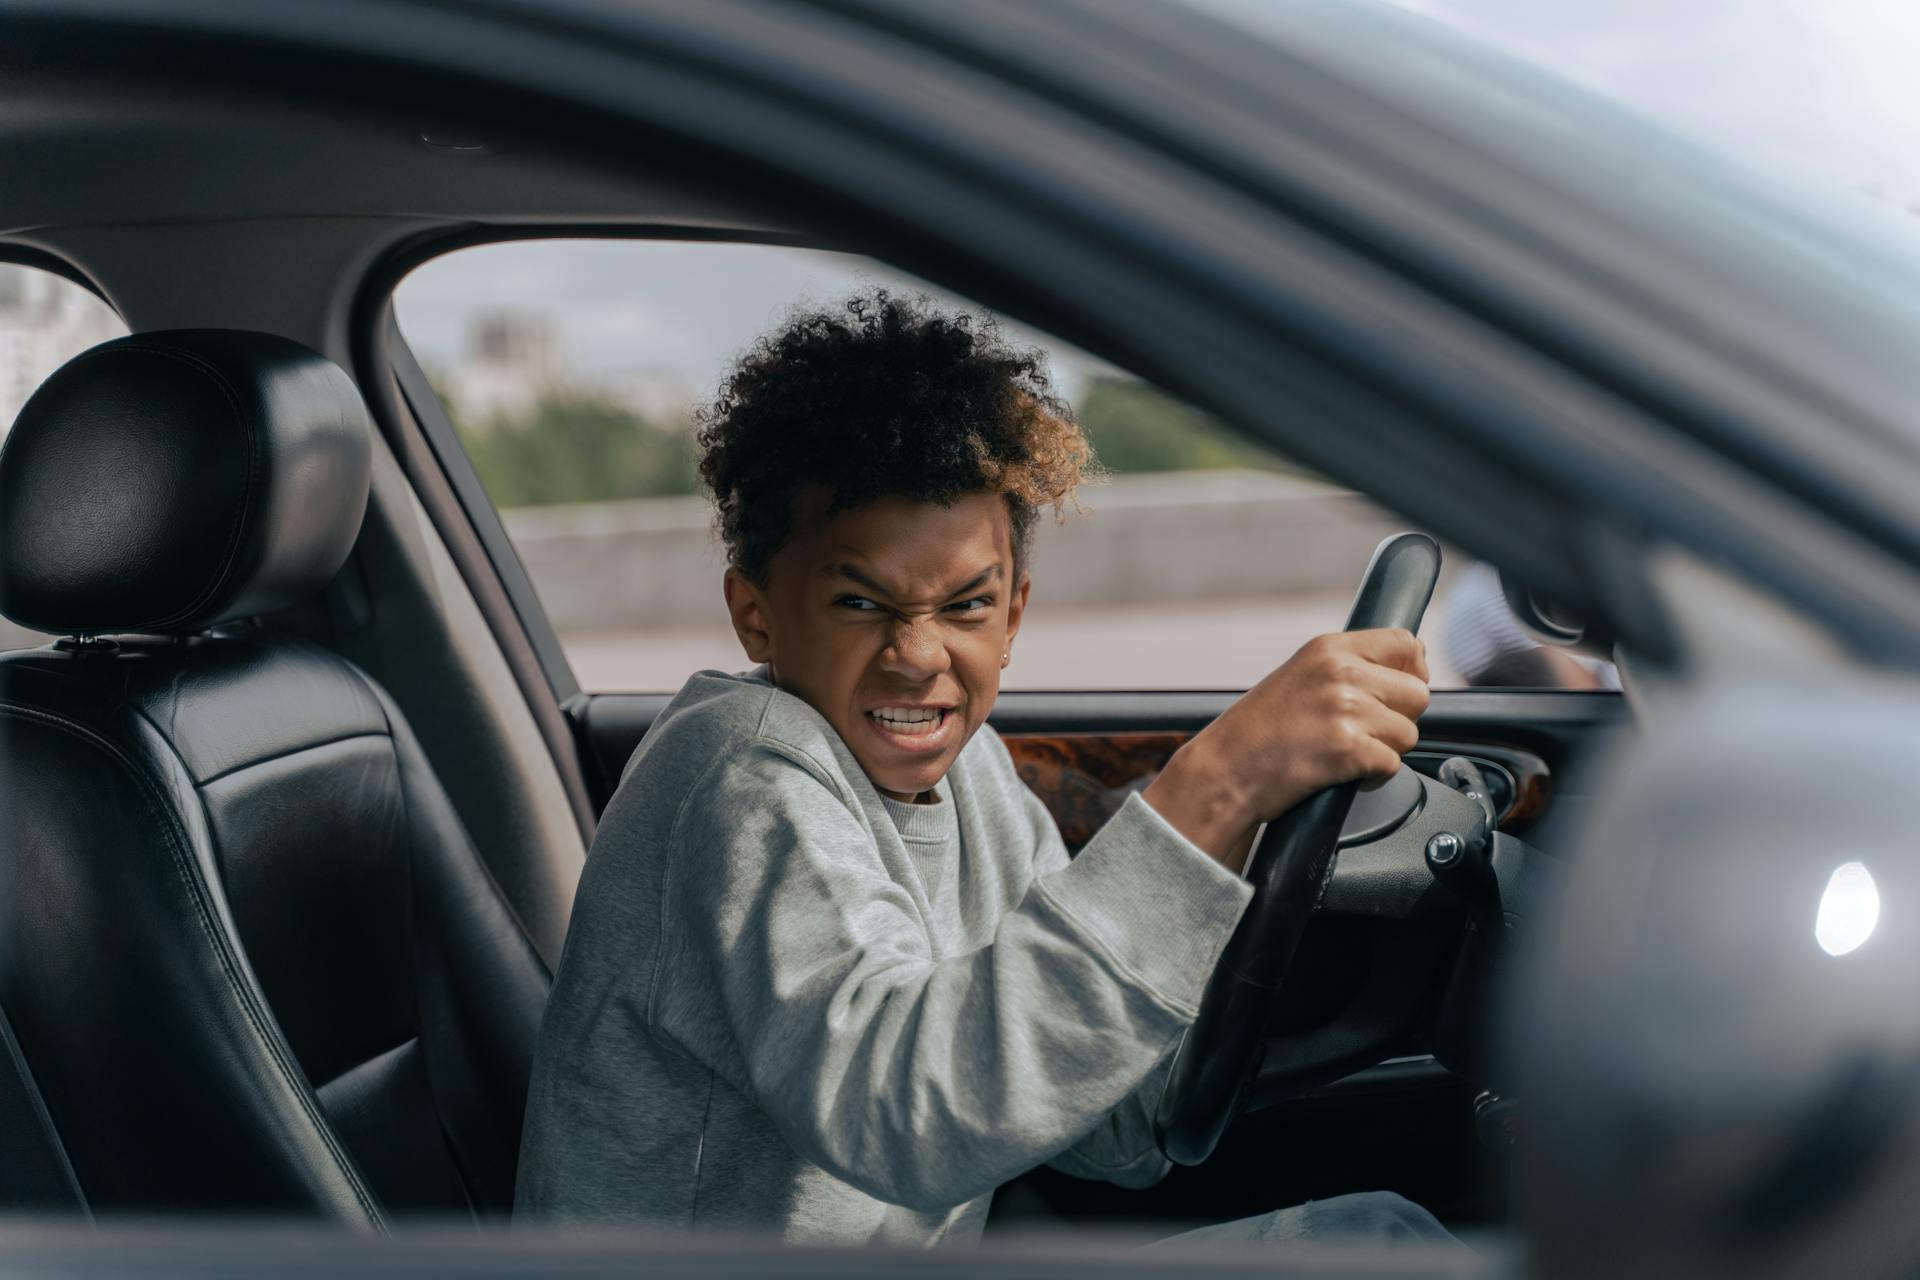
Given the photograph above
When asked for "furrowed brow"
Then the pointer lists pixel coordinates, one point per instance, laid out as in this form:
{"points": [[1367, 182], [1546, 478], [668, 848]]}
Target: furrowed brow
{"points": [[976, 582], [860, 579]]}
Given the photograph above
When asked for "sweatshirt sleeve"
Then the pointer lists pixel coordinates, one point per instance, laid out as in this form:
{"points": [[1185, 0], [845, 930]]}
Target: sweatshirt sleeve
{"points": [[926, 1082], [1120, 1149]]}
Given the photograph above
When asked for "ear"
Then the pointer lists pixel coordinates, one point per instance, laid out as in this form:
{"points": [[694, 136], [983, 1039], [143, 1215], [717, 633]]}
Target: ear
{"points": [[752, 619], [1017, 607]]}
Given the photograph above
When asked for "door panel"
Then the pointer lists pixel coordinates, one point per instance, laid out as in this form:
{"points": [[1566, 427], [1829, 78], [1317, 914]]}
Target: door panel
{"points": [[607, 728], [1085, 777]]}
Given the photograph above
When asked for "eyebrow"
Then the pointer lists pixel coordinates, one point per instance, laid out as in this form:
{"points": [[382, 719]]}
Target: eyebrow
{"points": [[849, 572]]}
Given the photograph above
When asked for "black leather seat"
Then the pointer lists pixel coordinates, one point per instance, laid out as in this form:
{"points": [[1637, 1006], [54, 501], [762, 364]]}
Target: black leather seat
{"points": [[247, 951], [35, 1176]]}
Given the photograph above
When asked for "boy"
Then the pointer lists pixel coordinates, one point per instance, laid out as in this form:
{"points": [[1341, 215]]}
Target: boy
{"points": [[830, 971]]}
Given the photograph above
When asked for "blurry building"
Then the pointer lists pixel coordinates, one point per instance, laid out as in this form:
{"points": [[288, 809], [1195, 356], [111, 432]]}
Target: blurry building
{"points": [[511, 360]]}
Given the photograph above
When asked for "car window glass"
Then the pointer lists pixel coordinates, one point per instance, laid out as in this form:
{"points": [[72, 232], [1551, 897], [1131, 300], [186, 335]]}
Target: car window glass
{"points": [[45, 320], [571, 371]]}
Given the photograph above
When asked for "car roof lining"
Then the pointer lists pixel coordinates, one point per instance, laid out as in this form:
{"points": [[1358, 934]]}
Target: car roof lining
{"points": [[121, 154]]}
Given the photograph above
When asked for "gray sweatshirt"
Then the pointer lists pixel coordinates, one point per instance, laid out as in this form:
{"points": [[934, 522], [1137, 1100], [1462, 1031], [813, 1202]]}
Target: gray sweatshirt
{"points": [[790, 1004]]}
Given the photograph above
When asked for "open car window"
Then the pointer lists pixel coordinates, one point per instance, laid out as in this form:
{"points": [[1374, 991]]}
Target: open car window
{"points": [[45, 320], [572, 371]]}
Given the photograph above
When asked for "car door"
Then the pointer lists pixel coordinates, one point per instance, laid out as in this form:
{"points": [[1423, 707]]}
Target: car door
{"points": [[1591, 380], [1528, 326], [1198, 566]]}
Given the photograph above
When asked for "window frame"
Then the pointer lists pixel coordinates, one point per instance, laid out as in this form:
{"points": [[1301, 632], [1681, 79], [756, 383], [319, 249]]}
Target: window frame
{"points": [[491, 563], [22, 255]]}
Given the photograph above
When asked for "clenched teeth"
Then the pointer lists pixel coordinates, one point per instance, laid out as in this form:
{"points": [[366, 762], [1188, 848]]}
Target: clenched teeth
{"points": [[908, 719]]}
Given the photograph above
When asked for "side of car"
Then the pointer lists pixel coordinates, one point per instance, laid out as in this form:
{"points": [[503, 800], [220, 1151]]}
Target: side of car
{"points": [[1244, 244]]}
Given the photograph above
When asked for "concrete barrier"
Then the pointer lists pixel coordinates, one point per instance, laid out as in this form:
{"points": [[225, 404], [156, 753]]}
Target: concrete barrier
{"points": [[1196, 535]]}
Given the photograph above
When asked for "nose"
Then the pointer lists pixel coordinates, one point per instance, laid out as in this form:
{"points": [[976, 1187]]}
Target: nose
{"points": [[915, 650]]}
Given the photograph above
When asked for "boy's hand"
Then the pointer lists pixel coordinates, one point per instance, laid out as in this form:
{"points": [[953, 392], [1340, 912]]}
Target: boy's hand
{"points": [[1342, 708]]}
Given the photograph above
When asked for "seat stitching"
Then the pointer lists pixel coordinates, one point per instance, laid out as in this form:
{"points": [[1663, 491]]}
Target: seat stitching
{"points": [[215, 936], [368, 1061], [439, 1125], [294, 751]]}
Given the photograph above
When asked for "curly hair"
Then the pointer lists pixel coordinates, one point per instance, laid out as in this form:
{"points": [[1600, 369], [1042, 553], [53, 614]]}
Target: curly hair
{"points": [[884, 396]]}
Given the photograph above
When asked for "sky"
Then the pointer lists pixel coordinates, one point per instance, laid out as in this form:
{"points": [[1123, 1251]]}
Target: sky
{"points": [[1823, 92], [635, 306]]}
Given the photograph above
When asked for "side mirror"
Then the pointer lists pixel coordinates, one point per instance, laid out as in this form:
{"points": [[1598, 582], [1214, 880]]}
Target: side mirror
{"points": [[1548, 620], [1718, 1045]]}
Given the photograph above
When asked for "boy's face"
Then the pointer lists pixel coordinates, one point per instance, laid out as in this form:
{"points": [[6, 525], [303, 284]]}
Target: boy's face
{"points": [[893, 621]]}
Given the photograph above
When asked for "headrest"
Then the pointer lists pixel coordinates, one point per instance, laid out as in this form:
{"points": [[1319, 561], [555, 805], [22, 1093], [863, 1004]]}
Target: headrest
{"points": [[170, 481]]}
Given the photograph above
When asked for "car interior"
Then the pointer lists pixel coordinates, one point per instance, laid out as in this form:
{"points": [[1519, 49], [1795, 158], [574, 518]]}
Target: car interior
{"points": [[299, 787]]}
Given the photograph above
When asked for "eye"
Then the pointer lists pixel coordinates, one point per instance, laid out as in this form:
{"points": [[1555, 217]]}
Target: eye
{"points": [[975, 604], [859, 604]]}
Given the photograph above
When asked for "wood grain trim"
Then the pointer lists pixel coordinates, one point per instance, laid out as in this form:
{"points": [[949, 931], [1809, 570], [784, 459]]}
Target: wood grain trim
{"points": [[1084, 778], [1532, 779]]}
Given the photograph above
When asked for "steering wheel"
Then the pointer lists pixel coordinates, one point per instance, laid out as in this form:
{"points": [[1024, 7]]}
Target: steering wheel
{"points": [[1291, 862]]}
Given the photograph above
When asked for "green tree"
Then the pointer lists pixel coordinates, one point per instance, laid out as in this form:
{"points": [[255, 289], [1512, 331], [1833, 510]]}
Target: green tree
{"points": [[577, 447], [1135, 427]]}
